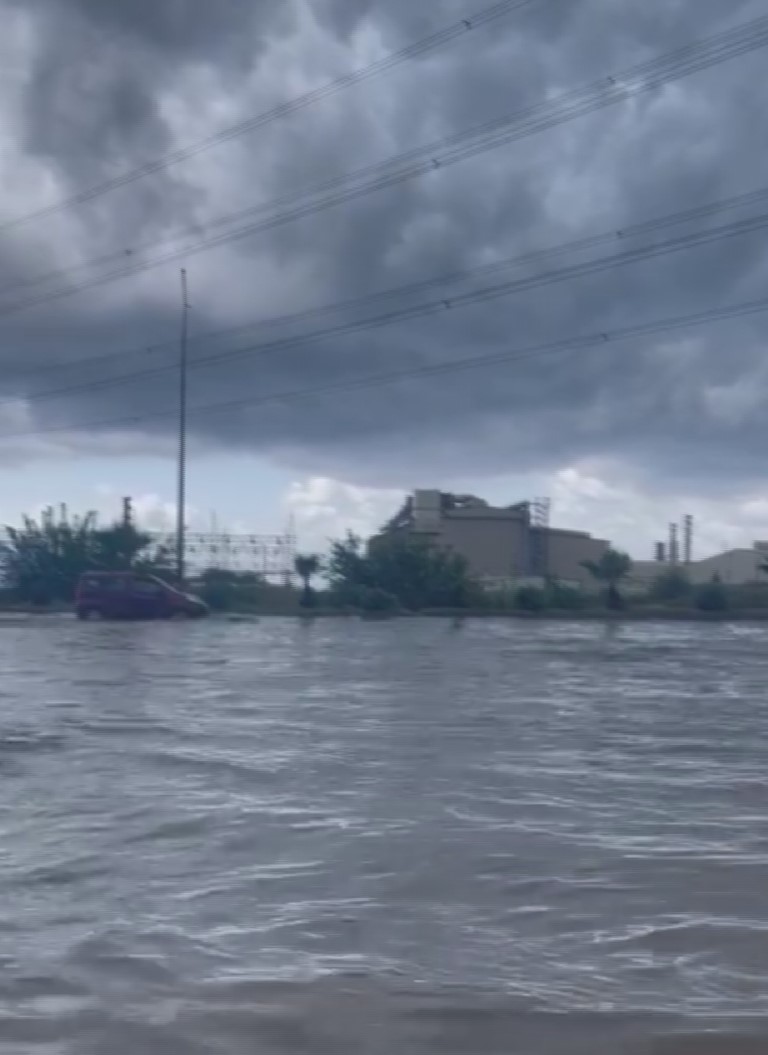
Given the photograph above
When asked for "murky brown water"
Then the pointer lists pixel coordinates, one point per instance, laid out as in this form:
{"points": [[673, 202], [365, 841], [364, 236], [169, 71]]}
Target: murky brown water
{"points": [[385, 838]]}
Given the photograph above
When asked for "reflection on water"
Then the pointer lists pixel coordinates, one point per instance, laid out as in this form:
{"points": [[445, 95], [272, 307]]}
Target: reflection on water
{"points": [[411, 837]]}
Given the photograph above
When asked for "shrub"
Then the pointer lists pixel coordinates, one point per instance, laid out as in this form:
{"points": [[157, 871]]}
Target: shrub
{"points": [[672, 585], [566, 598], [419, 574], [530, 599], [495, 599], [712, 597], [219, 596], [375, 601], [749, 595]]}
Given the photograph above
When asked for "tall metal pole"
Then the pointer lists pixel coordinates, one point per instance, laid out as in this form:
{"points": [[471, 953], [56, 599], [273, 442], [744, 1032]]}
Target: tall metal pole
{"points": [[181, 496]]}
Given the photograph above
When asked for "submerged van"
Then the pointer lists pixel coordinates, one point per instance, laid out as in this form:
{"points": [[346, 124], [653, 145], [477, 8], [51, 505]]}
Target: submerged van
{"points": [[129, 595]]}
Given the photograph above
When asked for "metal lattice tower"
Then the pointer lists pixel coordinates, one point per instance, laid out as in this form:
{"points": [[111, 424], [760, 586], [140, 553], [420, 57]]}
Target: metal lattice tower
{"points": [[540, 514], [271, 556]]}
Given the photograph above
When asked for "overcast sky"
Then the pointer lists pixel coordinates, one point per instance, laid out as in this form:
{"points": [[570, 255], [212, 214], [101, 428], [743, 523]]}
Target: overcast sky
{"points": [[625, 435]]}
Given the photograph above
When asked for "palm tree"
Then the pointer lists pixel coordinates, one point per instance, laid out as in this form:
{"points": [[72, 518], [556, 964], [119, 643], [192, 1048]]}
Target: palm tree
{"points": [[307, 565], [612, 567]]}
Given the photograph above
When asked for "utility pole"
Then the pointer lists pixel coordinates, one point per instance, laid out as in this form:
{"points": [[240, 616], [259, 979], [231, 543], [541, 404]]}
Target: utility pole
{"points": [[181, 496]]}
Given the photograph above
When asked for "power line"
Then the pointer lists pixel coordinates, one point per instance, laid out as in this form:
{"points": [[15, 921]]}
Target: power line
{"points": [[417, 49], [695, 239], [534, 256], [584, 343], [613, 88], [631, 83]]}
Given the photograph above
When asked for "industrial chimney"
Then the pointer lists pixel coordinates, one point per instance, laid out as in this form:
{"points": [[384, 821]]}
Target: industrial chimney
{"points": [[674, 545], [687, 539]]}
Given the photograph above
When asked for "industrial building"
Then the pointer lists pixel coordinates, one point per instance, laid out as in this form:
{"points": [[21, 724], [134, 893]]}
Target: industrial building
{"points": [[734, 567], [502, 546], [515, 544]]}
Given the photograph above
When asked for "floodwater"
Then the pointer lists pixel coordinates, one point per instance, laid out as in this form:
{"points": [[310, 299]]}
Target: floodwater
{"points": [[397, 838]]}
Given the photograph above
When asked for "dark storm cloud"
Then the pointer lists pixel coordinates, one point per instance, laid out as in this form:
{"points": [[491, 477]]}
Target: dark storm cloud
{"points": [[96, 78], [671, 405]]}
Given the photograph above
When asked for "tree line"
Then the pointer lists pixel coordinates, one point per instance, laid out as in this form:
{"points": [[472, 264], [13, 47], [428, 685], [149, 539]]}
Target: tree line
{"points": [[44, 558], [400, 571], [42, 561]]}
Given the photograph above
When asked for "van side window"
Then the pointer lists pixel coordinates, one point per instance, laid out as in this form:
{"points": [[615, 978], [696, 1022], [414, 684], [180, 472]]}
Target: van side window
{"points": [[146, 589], [104, 585]]}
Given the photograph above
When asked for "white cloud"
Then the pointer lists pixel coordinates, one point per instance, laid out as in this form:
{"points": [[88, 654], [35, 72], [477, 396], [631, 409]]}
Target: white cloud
{"points": [[324, 508], [151, 511], [593, 497], [602, 501]]}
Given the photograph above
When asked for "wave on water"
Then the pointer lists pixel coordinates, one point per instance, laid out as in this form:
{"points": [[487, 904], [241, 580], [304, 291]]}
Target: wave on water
{"points": [[271, 838]]}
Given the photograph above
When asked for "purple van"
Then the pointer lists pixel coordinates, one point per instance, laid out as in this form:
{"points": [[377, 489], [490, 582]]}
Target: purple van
{"points": [[130, 595]]}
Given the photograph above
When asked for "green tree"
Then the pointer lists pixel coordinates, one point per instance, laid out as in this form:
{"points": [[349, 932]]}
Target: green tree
{"points": [[672, 585], [562, 597], [377, 603], [712, 596], [349, 570], [420, 574], [44, 558], [412, 570], [530, 599], [122, 547], [611, 570], [224, 590], [307, 566]]}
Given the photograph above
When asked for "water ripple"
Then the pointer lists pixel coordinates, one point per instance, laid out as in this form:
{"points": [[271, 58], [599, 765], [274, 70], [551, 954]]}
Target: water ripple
{"points": [[358, 837]]}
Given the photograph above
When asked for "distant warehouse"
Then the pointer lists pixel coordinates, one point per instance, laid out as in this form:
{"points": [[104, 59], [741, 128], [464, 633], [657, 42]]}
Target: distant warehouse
{"points": [[734, 567], [501, 545]]}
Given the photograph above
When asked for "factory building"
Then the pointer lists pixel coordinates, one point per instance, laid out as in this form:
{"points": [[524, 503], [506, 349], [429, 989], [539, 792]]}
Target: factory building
{"points": [[502, 546], [734, 567]]}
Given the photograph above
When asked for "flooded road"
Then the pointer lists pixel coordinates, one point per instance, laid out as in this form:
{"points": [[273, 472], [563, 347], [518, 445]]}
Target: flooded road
{"points": [[405, 837]]}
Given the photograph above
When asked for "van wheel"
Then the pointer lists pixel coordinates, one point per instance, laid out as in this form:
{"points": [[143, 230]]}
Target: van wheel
{"points": [[86, 614], [179, 617]]}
